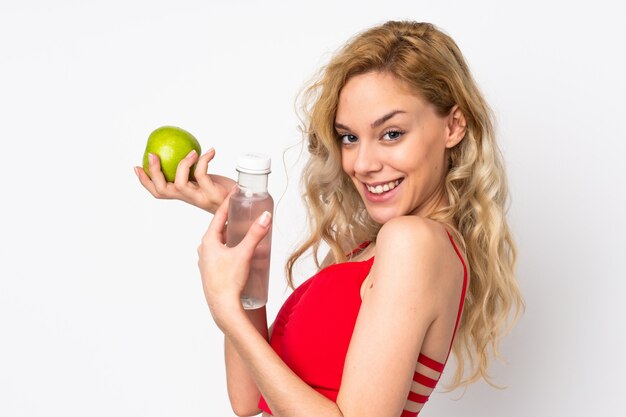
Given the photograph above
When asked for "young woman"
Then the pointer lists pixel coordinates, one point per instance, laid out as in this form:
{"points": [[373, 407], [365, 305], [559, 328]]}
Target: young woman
{"points": [[406, 185]]}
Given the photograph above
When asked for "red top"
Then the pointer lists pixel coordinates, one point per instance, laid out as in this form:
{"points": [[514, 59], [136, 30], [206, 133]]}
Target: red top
{"points": [[313, 328]]}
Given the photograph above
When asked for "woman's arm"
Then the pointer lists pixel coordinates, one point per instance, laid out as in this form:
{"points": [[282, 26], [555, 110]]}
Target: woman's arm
{"points": [[285, 393], [206, 192], [415, 285], [242, 390], [224, 274], [403, 301]]}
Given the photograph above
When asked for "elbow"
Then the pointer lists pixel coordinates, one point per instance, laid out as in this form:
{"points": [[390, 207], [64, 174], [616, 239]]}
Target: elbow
{"points": [[244, 403], [242, 411]]}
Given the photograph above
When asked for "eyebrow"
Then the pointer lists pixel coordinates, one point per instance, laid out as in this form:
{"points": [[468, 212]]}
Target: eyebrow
{"points": [[376, 122]]}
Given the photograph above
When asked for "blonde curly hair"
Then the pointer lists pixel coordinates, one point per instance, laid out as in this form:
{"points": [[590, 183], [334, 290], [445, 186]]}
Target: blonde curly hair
{"points": [[432, 65]]}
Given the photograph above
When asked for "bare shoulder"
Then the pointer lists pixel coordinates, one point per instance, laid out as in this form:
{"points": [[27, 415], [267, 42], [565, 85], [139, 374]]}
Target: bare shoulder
{"points": [[413, 237], [419, 250], [409, 229]]}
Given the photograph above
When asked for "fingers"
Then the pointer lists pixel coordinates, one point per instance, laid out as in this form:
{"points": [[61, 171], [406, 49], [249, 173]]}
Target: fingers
{"points": [[202, 168], [181, 181], [145, 181], [256, 233], [219, 221], [203, 164], [182, 170], [156, 174]]}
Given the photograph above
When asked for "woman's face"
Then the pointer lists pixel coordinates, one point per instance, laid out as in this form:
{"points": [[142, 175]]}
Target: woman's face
{"points": [[394, 145]]}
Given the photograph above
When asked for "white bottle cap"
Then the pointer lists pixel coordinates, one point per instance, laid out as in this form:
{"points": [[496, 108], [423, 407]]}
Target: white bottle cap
{"points": [[254, 163]]}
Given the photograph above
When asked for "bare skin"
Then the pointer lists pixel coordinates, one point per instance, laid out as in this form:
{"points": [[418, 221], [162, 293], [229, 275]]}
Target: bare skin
{"points": [[206, 192], [410, 298]]}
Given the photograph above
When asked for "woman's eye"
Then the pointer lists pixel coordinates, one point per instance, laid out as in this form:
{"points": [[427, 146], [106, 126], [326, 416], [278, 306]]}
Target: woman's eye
{"points": [[347, 139], [392, 135]]}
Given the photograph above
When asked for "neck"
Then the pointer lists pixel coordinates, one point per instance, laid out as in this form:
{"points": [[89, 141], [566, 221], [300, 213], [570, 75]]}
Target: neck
{"points": [[437, 200]]}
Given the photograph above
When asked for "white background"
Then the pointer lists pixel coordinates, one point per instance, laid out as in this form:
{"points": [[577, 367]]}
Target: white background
{"points": [[101, 307]]}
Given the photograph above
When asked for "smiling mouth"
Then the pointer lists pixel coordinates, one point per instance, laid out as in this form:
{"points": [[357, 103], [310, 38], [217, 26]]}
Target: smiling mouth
{"points": [[384, 187]]}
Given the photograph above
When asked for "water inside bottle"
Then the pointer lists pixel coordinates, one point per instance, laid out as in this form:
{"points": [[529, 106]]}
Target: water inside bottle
{"points": [[243, 210]]}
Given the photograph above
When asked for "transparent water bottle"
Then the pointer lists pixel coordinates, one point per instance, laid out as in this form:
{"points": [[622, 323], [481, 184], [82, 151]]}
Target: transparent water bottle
{"points": [[246, 204]]}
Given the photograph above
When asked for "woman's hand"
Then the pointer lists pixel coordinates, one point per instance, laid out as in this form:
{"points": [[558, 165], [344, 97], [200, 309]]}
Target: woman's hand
{"points": [[225, 270], [206, 192]]}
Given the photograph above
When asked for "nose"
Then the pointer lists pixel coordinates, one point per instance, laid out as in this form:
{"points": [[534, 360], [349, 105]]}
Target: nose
{"points": [[367, 159]]}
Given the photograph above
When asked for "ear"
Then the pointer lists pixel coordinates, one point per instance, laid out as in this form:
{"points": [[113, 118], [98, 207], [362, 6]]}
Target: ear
{"points": [[456, 127]]}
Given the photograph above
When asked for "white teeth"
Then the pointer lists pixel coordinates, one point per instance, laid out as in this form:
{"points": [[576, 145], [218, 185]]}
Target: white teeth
{"points": [[379, 189]]}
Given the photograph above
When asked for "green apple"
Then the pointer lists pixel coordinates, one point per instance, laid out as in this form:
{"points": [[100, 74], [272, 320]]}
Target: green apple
{"points": [[171, 144]]}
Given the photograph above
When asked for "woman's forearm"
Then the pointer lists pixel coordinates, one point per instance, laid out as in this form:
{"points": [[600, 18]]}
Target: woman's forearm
{"points": [[224, 272], [286, 394], [242, 390]]}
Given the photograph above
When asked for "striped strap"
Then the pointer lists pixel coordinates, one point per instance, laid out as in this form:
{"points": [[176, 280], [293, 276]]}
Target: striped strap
{"points": [[424, 380], [431, 363], [417, 398]]}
